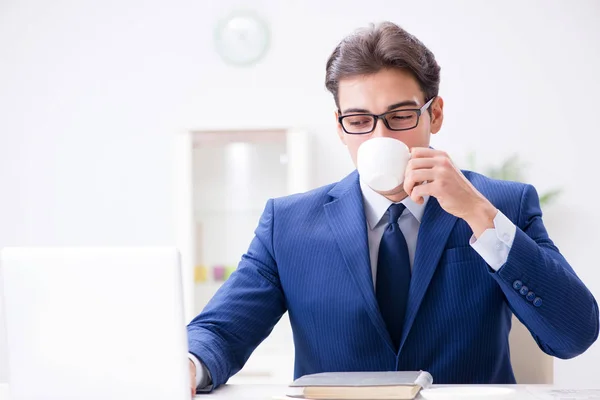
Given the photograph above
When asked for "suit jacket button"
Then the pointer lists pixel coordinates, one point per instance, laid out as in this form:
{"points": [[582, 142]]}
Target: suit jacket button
{"points": [[537, 302], [530, 296], [524, 290], [517, 285]]}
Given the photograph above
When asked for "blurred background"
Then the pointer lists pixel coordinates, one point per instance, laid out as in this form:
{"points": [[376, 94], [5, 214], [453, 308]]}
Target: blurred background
{"points": [[172, 122]]}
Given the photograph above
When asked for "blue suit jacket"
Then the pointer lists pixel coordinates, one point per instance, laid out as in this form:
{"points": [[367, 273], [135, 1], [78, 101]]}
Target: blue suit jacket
{"points": [[310, 257]]}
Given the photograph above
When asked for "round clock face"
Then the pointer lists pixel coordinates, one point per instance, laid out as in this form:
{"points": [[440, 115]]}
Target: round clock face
{"points": [[242, 39]]}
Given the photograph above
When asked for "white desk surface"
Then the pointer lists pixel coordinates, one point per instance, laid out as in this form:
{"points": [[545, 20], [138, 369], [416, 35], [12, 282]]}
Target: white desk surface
{"points": [[471, 392]]}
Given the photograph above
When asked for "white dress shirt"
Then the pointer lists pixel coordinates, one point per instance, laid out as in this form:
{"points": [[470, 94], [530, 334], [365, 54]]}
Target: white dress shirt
{"points": [[493, 245]]}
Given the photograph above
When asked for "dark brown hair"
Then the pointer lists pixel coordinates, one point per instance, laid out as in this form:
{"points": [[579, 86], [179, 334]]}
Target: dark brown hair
{"points": [[379, 46]]}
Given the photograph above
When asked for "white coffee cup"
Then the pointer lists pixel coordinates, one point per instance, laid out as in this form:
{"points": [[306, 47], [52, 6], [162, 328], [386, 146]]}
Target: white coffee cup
{"points": [[381, 163]]}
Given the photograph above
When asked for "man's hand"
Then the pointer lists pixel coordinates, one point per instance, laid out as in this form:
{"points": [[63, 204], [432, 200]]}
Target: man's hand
{"points": [[448, 185], [193, 378]]}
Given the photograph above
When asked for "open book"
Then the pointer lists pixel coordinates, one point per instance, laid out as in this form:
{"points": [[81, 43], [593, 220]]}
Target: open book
{"points": [[389, 385]]}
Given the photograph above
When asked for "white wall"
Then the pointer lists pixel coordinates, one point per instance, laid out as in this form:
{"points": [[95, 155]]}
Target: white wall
{"points": [[91, 94]]}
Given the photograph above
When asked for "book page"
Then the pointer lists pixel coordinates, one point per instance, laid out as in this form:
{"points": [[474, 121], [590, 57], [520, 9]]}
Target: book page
{"points": [[565, 394]]}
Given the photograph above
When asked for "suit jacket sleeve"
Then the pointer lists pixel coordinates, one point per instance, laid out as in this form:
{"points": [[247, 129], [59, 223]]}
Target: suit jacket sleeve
{"points": [[566, 322], [243, 311]]}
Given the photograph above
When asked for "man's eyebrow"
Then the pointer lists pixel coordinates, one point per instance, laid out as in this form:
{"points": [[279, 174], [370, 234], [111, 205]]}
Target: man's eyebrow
{"points": [[390, 107], [403, 104]]}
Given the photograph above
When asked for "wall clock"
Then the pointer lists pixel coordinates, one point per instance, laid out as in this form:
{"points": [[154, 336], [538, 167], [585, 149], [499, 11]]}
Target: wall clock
{"points": [[242, 38]]}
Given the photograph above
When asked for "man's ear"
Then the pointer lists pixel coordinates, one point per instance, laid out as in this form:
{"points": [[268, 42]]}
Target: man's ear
{"points": [[340, 130], [437, 114]]}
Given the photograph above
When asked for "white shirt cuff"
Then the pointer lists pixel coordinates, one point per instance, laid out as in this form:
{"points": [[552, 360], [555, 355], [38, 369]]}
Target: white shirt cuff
{"points": [[495, 244], [201, 372]]}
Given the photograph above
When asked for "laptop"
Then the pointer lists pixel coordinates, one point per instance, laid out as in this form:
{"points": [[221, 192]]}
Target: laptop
{"points": [[94, 323]]}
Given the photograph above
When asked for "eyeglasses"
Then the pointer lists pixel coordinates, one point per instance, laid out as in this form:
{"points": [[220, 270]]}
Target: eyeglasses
{"points": [[395, 120]]}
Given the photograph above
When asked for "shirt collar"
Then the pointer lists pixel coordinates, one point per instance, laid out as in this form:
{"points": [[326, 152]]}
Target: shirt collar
{"points": [[376, 205]]}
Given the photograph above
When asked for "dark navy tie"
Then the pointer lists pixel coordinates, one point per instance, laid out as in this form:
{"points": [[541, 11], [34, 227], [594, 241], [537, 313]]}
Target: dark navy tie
{"points": [[393, 275]]}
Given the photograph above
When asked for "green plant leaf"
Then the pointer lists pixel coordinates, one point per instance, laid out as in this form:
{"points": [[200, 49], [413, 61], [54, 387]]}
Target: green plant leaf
{"points": [[549, 197], [512, 169]]}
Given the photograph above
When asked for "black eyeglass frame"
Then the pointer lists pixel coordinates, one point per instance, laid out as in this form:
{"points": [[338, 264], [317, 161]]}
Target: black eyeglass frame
{"points": [[376, 118]]}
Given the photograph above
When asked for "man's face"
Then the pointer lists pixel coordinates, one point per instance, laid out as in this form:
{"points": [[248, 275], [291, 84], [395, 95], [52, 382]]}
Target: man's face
{"points": [[386, 90]]}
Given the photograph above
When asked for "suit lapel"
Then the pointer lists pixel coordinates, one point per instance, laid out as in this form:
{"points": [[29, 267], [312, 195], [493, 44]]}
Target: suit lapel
{"points": [[347, 220], [434, 231]]}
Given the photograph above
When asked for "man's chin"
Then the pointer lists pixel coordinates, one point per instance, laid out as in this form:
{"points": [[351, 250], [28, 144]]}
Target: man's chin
{"points": [[395, 195]]}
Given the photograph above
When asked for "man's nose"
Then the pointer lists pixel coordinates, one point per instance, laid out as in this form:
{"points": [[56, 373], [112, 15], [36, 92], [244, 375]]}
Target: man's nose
{"points": [[381, 130]]}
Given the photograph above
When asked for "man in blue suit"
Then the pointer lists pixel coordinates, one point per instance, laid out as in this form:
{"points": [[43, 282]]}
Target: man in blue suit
{"points": [[423, 277]]}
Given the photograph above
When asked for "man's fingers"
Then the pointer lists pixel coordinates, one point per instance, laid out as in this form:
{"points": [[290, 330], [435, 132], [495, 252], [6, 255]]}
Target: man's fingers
{"points": [[421, 163], [192, 378], [420, 191], [416, 177], [426, 152]]}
